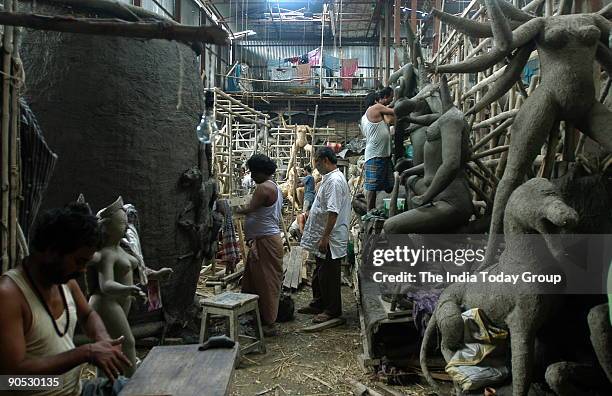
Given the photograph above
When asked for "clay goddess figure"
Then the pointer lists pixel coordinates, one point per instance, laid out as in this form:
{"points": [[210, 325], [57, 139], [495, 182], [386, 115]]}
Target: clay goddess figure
{"points": [[442, 198], [113, 288]]}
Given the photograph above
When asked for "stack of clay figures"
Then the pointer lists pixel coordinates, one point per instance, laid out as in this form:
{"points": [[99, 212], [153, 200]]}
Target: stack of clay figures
{"points": [[506, 149]]}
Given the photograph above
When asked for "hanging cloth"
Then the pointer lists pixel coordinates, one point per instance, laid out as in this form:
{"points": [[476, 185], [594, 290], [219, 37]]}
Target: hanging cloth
{"points": [[303, 73], [349, 67], [314, 57], [230, 250]]}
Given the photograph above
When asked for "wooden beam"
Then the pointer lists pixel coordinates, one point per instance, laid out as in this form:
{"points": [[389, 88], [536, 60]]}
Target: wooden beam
{"points": [[117, 9], [177, 10], [387, 40], [115, 27], [413, 15], [397, 12]]}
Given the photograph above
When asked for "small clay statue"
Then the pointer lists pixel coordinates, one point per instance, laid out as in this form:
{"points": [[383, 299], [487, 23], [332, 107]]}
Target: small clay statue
{"points": [[442, 197], [113, 289], [567, 45], [534, 207]]}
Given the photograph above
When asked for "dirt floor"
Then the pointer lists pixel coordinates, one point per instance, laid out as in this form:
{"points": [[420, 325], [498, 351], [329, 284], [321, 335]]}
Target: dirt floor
{"points": [[298, 363]]}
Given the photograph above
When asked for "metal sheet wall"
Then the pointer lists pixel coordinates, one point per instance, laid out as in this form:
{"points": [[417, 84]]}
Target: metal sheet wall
{"points": [[258, 53]]}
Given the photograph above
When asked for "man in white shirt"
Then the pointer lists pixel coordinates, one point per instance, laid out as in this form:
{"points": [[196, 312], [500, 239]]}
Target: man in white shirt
{"points": [[326, 236]]}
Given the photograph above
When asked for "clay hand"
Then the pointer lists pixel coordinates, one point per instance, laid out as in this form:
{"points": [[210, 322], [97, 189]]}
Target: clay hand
{"points": [[136, 291], [323, 245], [107, 356], [161, 275], [417, 200], [430, 67], [407, 176]]}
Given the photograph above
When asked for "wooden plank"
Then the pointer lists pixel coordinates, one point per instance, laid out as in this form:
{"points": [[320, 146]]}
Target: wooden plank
{"points": [[229, 300], [298, 261], [185, 371], [393, 314], [325, 325], [289, 272]]}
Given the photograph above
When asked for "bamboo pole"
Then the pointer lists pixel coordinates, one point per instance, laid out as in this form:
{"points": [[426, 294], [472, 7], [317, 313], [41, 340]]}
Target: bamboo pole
{"points": [[312, 133], [14, 160], [321, 51], [496, 132], [115, 27], [487, 153], [230, 171], [500, 117], [5, 142]]}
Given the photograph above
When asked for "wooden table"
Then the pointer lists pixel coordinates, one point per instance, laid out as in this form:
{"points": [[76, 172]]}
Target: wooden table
{"points": [[184, 371]]}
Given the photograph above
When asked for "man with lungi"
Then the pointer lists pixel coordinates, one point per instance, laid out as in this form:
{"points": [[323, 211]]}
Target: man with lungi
{"points": [[263, 272]]}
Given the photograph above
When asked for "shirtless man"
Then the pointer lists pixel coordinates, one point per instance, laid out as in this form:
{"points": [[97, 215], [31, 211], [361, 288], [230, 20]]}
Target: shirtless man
{"points": [[40, 304]]}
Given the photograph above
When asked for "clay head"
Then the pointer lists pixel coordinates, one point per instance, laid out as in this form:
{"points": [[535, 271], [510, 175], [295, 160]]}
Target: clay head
{"points": [[64, 241], [537, 205], [113, 219], [132, 214]]}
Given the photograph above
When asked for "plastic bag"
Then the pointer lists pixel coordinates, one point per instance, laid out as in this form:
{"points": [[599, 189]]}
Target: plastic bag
{"points": [[468, 367]]}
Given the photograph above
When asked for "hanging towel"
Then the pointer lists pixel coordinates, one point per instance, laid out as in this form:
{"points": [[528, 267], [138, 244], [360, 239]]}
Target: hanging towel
{"points": [[331, 62], [303, 73], [230, 250], [349, 67], [314, 57]]}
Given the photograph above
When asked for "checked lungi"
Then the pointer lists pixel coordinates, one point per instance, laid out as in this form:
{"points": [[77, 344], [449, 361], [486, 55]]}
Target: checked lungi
{"points": [[378, 174]]}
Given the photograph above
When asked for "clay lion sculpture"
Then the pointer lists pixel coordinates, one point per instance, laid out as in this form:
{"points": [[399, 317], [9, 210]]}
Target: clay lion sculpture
{"points": [[534, 207]]}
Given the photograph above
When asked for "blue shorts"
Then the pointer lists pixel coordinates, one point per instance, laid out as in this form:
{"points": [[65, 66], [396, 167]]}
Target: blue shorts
{"points": [[378, 174]]}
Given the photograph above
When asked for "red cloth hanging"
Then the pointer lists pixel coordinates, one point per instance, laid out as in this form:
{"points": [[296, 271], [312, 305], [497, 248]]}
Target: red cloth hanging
{"points": [[349, 67]]}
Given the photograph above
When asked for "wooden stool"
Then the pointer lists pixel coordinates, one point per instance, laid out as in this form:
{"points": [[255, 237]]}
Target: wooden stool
{"points": [[232, 305]]}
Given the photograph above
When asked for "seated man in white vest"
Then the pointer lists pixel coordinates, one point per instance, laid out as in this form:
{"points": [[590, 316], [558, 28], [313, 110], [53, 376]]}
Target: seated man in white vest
{"points": [[40, 304]]}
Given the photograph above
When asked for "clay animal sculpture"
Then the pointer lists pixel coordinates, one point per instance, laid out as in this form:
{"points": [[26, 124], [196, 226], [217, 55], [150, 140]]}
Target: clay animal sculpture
{"points": [[443, 199], [534, 207], [567, 46]]}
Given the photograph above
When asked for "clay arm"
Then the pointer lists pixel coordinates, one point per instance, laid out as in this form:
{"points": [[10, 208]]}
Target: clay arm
{"points": [[415, 170], [606, 12], [464, 25], [511, 12], [604, 57], [90, 321], [425, 119], [502, 34], [520, 37], [451, 153], [107, 283], [605, 26], [407, 71], [468, 26], [506, 81]]}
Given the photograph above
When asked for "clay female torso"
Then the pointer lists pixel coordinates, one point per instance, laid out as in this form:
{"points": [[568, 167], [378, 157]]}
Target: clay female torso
{"points": [[566, 47], [457, 193], [123, 266]]}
